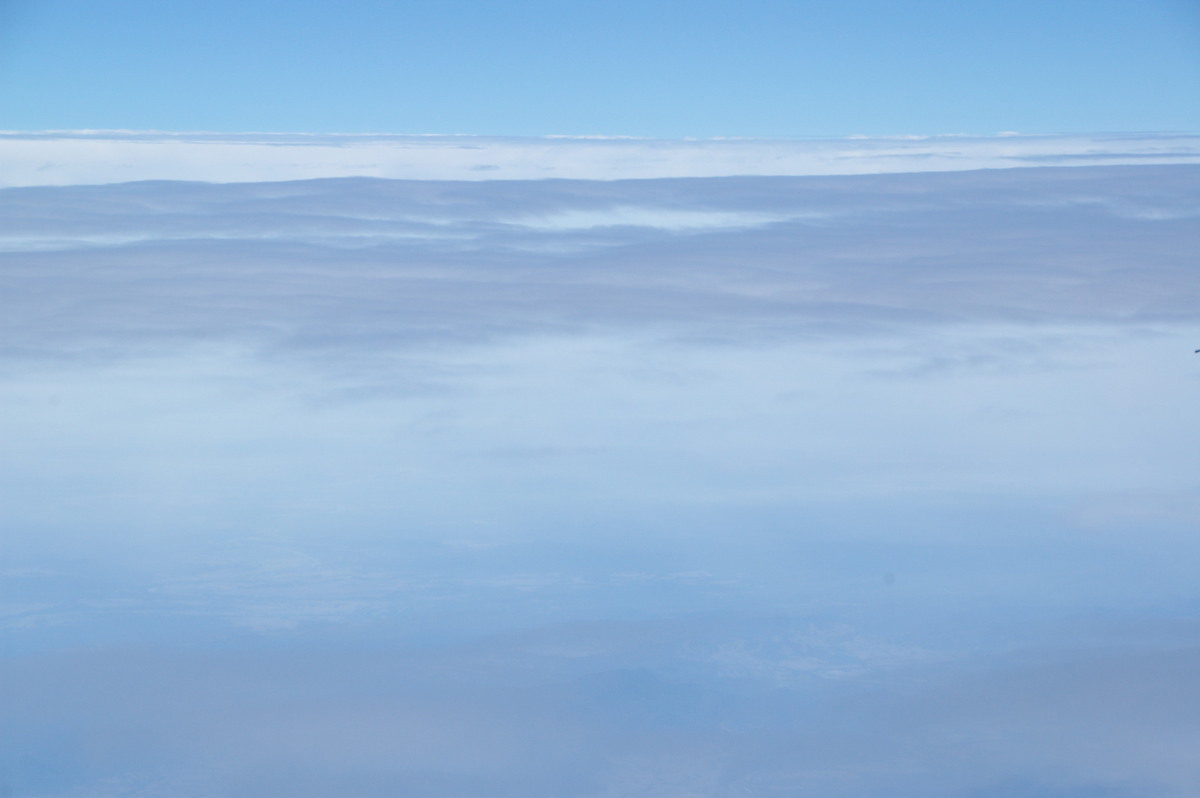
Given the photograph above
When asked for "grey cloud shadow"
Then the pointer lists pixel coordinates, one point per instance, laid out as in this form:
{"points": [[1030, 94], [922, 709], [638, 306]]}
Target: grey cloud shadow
{"points": [[345, 266]]}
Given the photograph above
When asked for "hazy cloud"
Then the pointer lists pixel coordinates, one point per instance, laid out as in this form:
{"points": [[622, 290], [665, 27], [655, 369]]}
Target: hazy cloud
{"points": [[71, 157], [832, 485]]}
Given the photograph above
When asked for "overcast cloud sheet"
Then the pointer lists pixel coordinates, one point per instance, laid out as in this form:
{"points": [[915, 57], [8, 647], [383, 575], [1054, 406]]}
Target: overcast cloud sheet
{"points": [[857, 486], [62, 157]]}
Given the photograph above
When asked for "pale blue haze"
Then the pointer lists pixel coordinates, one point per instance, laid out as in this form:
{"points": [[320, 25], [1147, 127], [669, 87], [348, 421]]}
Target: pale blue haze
{"points": [[843, 486]]}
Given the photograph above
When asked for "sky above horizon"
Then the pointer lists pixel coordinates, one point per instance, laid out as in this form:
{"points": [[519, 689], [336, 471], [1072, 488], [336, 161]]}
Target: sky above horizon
{"points": [[653, 68]]}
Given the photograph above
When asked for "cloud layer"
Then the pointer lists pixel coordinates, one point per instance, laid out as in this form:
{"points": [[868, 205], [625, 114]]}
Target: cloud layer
{"points": [[833, 485], [73, 157]]}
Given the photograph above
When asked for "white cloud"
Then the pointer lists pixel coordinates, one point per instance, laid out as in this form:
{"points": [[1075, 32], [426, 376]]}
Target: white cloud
{"points": [[88, 157], [660, 218]]}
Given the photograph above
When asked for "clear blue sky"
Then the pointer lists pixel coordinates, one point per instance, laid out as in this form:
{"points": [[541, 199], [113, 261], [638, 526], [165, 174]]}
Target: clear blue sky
{"points": [[648, 68]]}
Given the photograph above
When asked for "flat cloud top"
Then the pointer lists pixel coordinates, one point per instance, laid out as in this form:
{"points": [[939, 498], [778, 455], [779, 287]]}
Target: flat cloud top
{"points": [[88, 157], [743, 258], [849, 486]]}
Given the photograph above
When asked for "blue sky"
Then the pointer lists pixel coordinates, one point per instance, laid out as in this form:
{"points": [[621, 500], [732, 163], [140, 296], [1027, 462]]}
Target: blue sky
{"points": [[651, 68]]}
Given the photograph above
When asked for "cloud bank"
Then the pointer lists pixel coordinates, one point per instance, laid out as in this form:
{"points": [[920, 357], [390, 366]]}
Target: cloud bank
{"points": [[857, 485], [76, 157]]}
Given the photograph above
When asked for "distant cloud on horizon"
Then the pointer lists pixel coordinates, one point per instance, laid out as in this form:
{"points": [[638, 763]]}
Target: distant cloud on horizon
{"points": [[57, 158]]}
